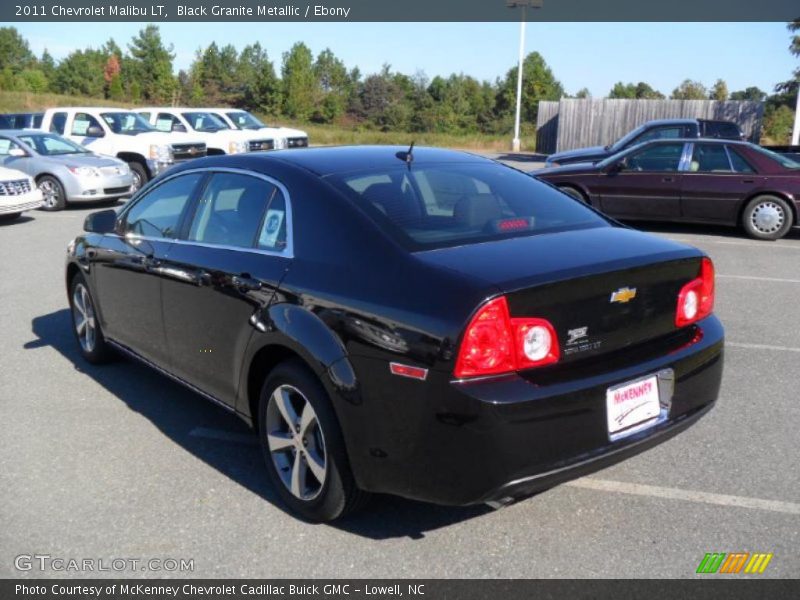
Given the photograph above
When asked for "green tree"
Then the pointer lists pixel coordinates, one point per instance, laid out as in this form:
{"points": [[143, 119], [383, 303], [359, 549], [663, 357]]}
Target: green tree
{"points": [[719, 91], [299, 82], [583, 94], [778, 125], [752, 93], [261, 87], [80, 73], [623, 90], [151, 65], [32, 80], [690, 90], [641, 90], [48, 66], [15, 54], [333, 87], [538, 83]]}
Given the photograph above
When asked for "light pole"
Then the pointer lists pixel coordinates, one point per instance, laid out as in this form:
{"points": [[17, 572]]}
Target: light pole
{"points": [[523, 4], [796, 128]]}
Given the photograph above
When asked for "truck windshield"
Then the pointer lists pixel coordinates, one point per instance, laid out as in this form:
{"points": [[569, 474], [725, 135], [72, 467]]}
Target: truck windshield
{"points": [[244, 120], [126, 123], [204, 121], [450, 204]]}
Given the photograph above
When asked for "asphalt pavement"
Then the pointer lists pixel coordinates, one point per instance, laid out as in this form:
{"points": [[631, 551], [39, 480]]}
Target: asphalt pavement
{"points": [[119, 462]]}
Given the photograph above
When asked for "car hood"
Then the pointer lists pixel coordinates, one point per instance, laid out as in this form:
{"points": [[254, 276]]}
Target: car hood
{"points": [[161, 137], [592, 153], [280, 132], [517, 263], [11, 174], [83, 160]]}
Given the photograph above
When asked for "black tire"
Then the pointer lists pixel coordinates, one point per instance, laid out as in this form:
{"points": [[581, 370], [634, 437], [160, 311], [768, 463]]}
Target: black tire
{"points": [[140, 175], [767, 217], [54, 196], [575, 193], [337, 494], [10, 216], [98, 351]]}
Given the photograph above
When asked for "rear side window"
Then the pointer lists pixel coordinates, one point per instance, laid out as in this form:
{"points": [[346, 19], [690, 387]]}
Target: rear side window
{"points": [[242, 211], [721, 129], [58, 122], [450, 204], [710, 158], [158, 213]]}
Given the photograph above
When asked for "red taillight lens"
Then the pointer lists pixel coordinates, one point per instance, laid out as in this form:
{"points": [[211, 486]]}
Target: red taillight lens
{"points": [[696, 298], [495, 343]]}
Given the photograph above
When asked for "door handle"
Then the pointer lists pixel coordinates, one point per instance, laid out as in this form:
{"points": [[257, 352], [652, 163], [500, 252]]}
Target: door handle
{"points": [[668, 179], [246, 283], [748, 180]]}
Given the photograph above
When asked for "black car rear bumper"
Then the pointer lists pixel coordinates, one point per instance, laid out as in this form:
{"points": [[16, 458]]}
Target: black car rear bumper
{"points": [[468, 442]]}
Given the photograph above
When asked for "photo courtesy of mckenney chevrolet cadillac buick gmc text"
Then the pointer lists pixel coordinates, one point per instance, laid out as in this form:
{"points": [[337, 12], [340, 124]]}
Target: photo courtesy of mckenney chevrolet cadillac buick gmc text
{"points": [[417, 322]]}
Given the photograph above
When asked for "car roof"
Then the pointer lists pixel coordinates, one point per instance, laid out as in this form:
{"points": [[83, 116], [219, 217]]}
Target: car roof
{"points": [[670, 122], [714, 140], [342, 159], [25, 131]]}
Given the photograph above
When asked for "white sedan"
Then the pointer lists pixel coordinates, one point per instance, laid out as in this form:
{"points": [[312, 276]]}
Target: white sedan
{"points": [[18, 193]]}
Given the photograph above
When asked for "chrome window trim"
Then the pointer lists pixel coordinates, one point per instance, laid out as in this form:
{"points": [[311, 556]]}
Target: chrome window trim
{"points": [[686, 158], [287, 252]]}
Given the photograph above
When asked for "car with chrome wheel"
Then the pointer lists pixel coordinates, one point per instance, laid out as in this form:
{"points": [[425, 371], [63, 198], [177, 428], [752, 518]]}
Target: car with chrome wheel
{"points": [[706, 181], [64, 171], [417, 322]]}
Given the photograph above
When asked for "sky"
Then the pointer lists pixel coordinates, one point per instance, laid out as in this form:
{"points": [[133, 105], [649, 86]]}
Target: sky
{"points": [[591, 55]]}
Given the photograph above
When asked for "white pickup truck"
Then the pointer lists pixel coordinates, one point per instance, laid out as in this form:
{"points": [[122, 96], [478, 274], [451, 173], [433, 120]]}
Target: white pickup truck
{"points": [[284, 137], [220, 138], [124, 134]]}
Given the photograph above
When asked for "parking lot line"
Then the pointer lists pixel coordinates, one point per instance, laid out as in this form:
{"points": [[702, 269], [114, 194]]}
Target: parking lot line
{"points": [[638, 489], [225, 436], [761, 347], [753, 278]]}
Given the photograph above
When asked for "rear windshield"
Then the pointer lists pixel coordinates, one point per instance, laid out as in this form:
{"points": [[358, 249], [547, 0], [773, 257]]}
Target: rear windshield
{"points": [[721, 129], [784, 161], [441, 205]]}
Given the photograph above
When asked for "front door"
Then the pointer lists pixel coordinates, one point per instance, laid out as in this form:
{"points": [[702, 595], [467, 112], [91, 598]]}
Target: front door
{"points": [[222, 275], [646, 185]]}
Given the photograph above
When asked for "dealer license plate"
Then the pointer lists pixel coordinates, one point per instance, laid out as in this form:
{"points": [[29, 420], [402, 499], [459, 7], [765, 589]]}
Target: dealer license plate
{"points": [[632, 406]]}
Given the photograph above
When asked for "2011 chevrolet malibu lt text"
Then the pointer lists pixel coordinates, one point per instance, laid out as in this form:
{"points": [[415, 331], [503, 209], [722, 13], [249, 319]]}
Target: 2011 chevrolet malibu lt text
{"points": [[417, 322]]}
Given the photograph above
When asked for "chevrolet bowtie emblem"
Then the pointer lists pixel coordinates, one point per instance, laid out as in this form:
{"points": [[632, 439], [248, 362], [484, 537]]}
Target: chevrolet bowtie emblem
{"points": [[623, 295]]}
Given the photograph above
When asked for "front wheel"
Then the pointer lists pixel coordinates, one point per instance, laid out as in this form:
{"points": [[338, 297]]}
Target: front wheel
{"points": [[303, 446], [767, 217], [53, 193], [140, 176]]}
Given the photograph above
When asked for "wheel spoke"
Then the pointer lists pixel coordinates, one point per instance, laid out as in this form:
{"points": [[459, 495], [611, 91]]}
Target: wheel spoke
{"points": [[298, 476], [316, 466], [77, 301], [284, 403], [307, 419], [79, 327], [279, 441]]}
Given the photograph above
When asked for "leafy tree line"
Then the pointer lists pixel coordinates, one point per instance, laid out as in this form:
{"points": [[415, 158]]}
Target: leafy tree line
{"points": [[321, 88]]}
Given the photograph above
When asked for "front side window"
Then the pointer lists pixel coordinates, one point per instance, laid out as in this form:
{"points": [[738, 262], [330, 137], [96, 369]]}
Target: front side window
{"points": [[442, 205], [242, 211], [7, 145], [158, 212], [126, 122], [81, 124], [709, 158], [658, 157], [58, 123]]}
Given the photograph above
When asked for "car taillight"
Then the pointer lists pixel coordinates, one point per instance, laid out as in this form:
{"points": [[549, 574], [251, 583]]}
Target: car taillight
{"points": [[696, 298], [495, 343]]}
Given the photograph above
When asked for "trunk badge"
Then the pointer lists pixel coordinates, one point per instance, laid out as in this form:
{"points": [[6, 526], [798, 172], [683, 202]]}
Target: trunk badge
{"points": [[577, 334], [623, 295]]}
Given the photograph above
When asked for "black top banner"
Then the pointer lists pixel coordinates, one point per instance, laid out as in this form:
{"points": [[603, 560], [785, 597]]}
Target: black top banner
{"points": [[402, 10]]}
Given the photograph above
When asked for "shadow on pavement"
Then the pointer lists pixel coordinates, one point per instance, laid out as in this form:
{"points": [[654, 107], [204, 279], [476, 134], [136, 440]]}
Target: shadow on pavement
{"points": [[177, 412]]}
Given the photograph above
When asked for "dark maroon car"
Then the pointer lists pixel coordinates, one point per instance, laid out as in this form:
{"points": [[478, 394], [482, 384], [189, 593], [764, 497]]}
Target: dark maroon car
{"points": [[718, 182]]}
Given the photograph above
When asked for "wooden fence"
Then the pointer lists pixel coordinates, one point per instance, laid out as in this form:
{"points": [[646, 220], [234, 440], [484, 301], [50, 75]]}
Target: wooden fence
{"points": [[574, 123]]}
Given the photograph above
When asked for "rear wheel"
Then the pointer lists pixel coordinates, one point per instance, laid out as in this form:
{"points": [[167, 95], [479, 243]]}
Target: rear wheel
{"points": [[767, 217], [571, 191], [53, 193], [85, 325], [303, 446]]}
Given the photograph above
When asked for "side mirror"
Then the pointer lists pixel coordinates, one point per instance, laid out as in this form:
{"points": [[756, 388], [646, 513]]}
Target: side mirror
{"points": [[95, 131], [617, 167], [18, 152], [103, 221], [179, 127]]}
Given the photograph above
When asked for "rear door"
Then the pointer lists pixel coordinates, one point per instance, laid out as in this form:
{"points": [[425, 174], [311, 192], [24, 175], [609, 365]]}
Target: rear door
{"points": [[222, 275], [714, 184], [647, 187]]}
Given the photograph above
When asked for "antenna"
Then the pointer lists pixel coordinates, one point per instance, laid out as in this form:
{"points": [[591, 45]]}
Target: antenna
{"points": [[407, 156]]}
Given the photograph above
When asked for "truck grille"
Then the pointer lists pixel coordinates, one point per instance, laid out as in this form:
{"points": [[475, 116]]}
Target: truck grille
{"points": [[15, 188], [187, 151], [297, 142], [256, 145]]}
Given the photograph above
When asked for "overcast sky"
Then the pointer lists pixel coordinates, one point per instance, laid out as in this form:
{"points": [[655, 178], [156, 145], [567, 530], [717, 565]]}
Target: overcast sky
{"points": [[592, 55]]}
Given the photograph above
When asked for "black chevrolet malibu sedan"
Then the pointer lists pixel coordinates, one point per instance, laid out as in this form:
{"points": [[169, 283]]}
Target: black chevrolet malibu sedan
{"points": [[423, 323]]}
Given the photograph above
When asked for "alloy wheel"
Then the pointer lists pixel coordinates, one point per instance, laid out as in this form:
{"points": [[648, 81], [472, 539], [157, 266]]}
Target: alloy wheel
{"points": [[137, 181], [296, 442], [50, 193], [767, 217], [83, 317]]}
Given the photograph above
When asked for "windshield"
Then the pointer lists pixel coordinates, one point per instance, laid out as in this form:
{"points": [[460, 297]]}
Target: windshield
{"points": [[48, 144], [244, 120], [441, 205], [204, 121], [785, 161], [126, 123]]}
